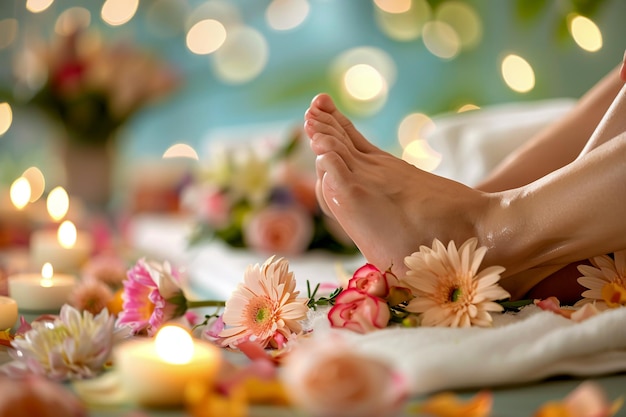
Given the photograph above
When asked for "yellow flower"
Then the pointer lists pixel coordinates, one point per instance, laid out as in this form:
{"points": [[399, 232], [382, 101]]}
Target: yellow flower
{"points": [[449, 290], [605, 280], [265, 306], [448, 404]]}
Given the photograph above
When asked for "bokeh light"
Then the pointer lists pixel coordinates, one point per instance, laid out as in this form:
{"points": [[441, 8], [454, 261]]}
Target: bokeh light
{"points": [[6, 117], [286, 14], [441, 39], [463, 19], [402, 25], [37, 183], [38, 6], [420, 154], [518, 74], [363, 82], [413, 127], [585, 33], [180, 150], [20, 193], [67, 234], [8, 32], [224, 12], [118, 12], [58, 203], [71, 20], [242, 57], [206, 36]]}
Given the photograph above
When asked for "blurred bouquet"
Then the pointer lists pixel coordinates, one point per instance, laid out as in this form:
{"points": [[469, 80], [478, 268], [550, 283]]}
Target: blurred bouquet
{"points": [[93, 88], [261, 196]]}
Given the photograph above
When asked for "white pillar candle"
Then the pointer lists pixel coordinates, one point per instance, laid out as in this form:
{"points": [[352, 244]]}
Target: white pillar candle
{"points": [[66, 248], [41, 292], [8, 313], [155, 372]]}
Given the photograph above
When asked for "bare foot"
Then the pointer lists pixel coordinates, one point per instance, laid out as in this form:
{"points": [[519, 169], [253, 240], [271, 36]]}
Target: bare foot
{"points": [[387, 206]]}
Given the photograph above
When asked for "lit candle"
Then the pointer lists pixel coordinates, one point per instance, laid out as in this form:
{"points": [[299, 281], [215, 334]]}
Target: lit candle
{"points": [[8, 313], [45, 292], [155, 372], [67, 248]]}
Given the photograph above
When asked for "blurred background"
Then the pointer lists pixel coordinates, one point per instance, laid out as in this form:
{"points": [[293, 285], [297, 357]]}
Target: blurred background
{"points": [[137, 77]]}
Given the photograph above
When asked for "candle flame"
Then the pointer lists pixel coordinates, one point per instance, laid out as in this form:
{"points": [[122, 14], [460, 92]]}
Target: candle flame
{"points": [[67, 234], [174, 345], [46, 275], [20, 193], [58, 203]]}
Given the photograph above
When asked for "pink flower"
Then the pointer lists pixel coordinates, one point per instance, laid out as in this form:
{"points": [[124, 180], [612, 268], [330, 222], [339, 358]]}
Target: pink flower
{"points": [[265, 307], [359, 311], [106, 267], [286, 230], [152, 296], [37, 396], [371, 280], [587, 400], [332, 379]]}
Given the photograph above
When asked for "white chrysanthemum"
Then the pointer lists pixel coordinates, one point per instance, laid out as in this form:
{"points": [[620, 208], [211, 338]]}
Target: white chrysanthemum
{"points": [[73, 346], [605, 280], [449, 290], [264, 306]]}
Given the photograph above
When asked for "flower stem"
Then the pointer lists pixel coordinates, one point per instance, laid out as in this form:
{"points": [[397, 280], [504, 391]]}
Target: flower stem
{"points": [[207, 303]]}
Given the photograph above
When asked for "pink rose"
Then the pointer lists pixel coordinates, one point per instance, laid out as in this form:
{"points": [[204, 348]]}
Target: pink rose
{"points": [[359, 311], [285, 230], [371, 280], [327, 378]]}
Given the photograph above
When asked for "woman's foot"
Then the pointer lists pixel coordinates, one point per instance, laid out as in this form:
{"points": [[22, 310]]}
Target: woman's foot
{"points": [[387, 206]]}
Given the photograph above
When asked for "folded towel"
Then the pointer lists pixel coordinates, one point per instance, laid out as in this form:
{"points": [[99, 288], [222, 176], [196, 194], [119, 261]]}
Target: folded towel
{"points": [[521, 347]]}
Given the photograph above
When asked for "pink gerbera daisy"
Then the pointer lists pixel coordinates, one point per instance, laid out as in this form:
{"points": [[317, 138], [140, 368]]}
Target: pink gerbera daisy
{"points": [[605, 280], [449, 290], [265, 306], [152, 296]]}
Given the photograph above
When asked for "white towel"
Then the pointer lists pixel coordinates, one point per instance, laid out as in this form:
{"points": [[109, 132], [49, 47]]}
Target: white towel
{"points": [[524, 347]]}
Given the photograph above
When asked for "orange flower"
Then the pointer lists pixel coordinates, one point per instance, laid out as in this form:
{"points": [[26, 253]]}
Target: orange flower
{"points": [[587, 400], [449, 290], [449, 405]]}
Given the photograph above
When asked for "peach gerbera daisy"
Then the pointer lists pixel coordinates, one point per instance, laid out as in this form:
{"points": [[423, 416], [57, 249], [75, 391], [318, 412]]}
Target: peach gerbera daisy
{"points": [[605, 279], [265, 306], [449, 290]]}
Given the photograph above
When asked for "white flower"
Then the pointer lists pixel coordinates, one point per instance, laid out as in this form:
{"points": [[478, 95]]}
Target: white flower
{"points": [[73, 346]]}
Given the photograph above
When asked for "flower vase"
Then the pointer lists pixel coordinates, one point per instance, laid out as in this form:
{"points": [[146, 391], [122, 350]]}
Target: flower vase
{"points": [[89, 171]]}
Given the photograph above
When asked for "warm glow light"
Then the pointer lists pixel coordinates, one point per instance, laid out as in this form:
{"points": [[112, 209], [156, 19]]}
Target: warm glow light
{"points": [[402, 25], [58, 203], [363, 82], [286, 14], [6, 117], [67, 234], [118, 12], [180, 150], [20, 193], [413, 127], [47, 272], [463, 19], [71, 20], [243, 55], [174, 345], [393, 6], [420, 154], [518, 74], [206, 36], [8, 32], [467, 107], [585, 33], [441, 39], [37, 6], [37, 183]]}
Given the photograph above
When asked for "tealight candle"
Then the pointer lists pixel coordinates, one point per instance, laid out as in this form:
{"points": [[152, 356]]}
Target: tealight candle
{"points": [[155, 372], [45, 292], [8, 313], [66, 247]]}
